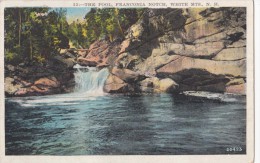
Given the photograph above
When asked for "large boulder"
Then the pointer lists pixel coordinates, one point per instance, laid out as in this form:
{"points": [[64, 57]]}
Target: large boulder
{"points": [[114, 84], [150, 85], [68, 62], [168, 85], [47, 82], [156, 85], [42, 86], [225, 68], [127, 75], [202, 74], [11, 87]]}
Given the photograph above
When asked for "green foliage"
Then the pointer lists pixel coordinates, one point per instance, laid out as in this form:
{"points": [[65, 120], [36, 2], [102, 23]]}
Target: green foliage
{"points": [[111, 22], [12, 57], [39, 59], [77, 34], [33, 37]]}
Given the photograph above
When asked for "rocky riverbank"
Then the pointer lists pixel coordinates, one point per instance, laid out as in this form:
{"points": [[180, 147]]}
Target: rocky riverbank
{"points": [[34, 79], [167, 50], [173, 50]]}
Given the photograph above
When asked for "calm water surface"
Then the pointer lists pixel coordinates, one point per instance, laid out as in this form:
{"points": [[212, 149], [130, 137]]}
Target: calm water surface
{"points": [[118, 124]]}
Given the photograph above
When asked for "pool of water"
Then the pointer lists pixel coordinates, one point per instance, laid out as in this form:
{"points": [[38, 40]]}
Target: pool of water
{"points": [[120, 125]]}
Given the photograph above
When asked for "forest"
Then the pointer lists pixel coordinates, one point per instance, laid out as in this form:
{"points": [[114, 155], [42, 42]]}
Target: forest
{"points": [[37, 34]]}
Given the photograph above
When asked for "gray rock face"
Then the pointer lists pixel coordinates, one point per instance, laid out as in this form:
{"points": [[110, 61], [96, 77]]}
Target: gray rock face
{"points": [[224, 68], [231, 54], [201, 49]]}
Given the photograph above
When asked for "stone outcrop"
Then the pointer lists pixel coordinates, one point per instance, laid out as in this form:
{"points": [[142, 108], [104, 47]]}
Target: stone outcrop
{"points": [[69, 62], [195, 49], [231, 54], [168, 85], [56, 76], [224, 68], [11, 86], [155, 85], [115, 85], [100, 54], [127, 75]]}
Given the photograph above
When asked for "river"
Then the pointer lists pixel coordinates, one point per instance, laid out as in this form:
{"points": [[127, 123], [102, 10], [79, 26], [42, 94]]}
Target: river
{"points": [[90, 122]]}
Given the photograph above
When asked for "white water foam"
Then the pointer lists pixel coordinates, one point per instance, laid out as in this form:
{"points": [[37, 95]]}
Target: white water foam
{"points": [[90, 80], [210, 95], [89, 84]]}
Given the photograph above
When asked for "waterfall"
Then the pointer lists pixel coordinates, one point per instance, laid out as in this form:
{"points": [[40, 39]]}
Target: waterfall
{"points": [[90, 80], [89, 84]]}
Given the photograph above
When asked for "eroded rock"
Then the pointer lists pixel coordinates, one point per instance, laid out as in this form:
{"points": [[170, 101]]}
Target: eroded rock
{"points": [[114, 84], [168, 85], [225, 68], [204, 51], [100, 53], [55, 76], [11, 87], [231, 54], [127, 75], [47, 82]]}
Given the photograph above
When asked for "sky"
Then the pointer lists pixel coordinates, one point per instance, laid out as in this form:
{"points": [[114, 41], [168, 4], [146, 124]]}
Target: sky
{"points": [[74, 13]]}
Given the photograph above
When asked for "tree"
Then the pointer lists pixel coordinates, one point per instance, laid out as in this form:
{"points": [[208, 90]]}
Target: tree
{"points": [[36, 37], [39, 36], [111, 22]]}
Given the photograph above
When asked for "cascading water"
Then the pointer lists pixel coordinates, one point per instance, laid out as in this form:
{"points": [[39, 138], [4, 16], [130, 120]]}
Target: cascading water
{"points": [[89, 84], [90, 80]]}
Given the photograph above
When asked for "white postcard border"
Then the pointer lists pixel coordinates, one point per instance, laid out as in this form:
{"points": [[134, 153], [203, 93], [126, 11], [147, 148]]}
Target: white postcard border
{"points": [[249, 157]]}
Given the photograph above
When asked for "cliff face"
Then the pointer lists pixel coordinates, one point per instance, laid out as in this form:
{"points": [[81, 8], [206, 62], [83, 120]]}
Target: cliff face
{"points": [[172, 50]]}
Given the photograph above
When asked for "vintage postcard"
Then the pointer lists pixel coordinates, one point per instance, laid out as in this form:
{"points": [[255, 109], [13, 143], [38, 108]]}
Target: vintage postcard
{"points": [[129, 81]]}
